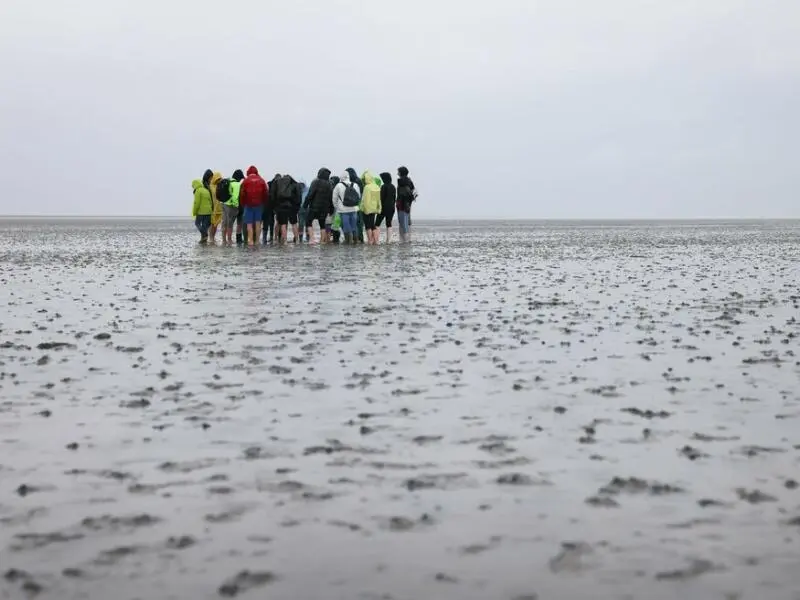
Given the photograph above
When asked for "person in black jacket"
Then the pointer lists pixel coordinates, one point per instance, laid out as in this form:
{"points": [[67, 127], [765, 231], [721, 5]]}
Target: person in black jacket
{"points": [[388, 200], [268, 220], [286, 203], [319, 204], [406, 194]]}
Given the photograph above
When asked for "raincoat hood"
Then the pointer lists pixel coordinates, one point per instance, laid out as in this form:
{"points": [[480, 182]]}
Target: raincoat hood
{"points": [[386, 177], [237, 175], [324, 174], [207, 177], [197, 184], [252, 171], [345, 178], [216, 178], [351, 173], [367, 177]]}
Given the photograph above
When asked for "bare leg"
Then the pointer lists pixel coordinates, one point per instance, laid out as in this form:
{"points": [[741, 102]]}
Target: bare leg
{"points": [[284, 230], [296, 232], [257, 236], [388, 234]]}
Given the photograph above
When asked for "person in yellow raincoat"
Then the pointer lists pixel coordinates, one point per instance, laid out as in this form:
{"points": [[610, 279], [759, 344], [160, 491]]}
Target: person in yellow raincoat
{"points": [[216, 214]]}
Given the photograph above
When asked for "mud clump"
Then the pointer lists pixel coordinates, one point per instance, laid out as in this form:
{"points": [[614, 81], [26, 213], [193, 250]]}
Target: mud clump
{"points": [[647, 414], [245, 581], [695, 569], [56, 346], [634, 485], [754, 496]]}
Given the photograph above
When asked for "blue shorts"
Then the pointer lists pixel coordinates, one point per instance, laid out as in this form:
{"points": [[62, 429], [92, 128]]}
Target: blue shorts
{"points": [[253, 214]]}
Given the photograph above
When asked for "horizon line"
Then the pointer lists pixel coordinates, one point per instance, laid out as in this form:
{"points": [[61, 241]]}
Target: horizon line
{"points": [[434, 218]]}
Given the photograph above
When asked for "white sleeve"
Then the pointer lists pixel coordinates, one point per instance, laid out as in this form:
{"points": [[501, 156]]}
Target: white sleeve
{"points": [[337, 197]]}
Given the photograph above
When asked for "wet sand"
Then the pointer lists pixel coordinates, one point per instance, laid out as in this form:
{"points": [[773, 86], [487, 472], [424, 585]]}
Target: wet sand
{"points": [[498, 411]]}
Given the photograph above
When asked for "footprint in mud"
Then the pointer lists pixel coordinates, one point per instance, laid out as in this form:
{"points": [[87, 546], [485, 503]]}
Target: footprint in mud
{"points": [[647, 414], [230, 515], [26, 490], [692, 453], [335, 446], [695, 569], [497, 448], [754, 496], [180, 543], [572, 558], [520, 479], [752, 451], [345, 525], [28, 585], [442, 481], [191, 466], [245, 581], [518, 461], [634, 485], [115, 555], [424, 440], [402, 524], [108, 522], [33, 541], [56, 346], [138, 403], [602, 502], [474, 549]]}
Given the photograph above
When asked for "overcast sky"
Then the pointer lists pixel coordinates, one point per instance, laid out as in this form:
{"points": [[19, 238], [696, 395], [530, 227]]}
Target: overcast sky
{"points": [[509, 108]]}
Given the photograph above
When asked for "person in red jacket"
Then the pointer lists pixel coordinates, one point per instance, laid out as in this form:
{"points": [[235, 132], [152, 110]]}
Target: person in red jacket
{"points": [[253, 196]]}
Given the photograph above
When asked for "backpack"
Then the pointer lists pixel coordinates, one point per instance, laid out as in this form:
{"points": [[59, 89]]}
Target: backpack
{"points": [[351, 196], [286, 190], [405, 196], [223, 190]]}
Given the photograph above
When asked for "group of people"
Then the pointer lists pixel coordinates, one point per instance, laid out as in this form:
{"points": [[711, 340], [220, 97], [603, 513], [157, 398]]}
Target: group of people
{"points": [[347, 209]]}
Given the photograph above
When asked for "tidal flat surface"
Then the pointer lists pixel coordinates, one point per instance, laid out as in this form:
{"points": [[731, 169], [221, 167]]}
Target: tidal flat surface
{"points": [[495, 411]]}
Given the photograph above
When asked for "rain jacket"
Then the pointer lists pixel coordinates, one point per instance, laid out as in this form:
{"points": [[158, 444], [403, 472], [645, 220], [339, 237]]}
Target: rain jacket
{"points": [[254, 191], [338, 195], [215, 179], [291, 203], [320, 195], [388, 194], [405, 194], [202, 199], [371, 199]]}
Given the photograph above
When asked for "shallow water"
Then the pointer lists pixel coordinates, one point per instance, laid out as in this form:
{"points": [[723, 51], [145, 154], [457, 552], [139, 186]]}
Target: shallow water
{"points": [[497, 410]]}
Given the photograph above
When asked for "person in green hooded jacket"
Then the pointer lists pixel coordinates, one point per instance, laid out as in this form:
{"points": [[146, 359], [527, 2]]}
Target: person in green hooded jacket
{"points": [[231, 210], [202, 209], [370, 206]]}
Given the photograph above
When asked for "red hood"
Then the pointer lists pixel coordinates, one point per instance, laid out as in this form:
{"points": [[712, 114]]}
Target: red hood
{"points": [[252, 171]]}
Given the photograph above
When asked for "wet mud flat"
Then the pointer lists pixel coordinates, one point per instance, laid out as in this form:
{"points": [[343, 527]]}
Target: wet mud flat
{"points": [[494, 411]]}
